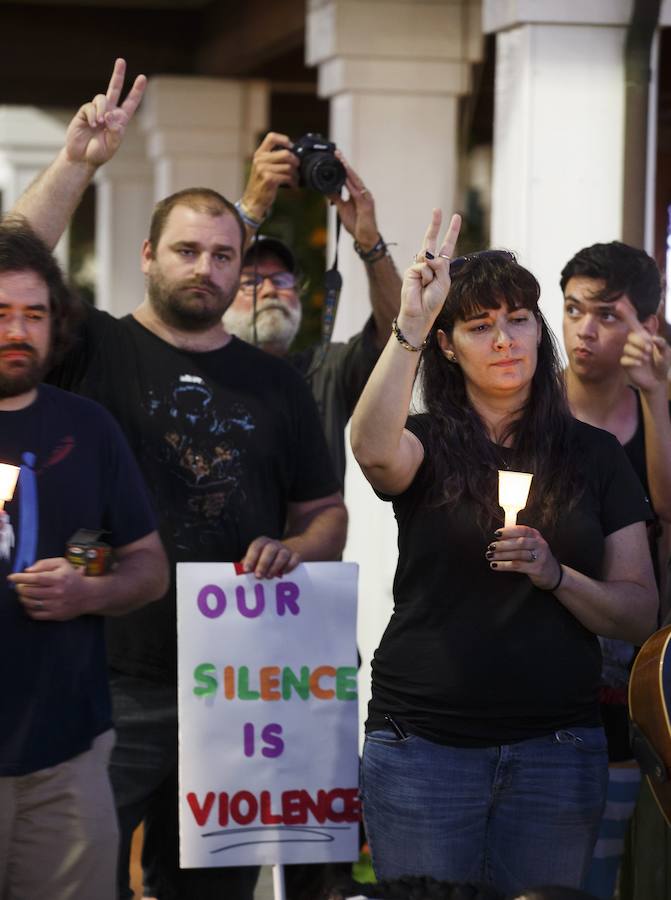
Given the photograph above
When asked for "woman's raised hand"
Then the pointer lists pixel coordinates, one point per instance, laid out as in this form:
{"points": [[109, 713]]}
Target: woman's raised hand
{"points": [[426, 283]]}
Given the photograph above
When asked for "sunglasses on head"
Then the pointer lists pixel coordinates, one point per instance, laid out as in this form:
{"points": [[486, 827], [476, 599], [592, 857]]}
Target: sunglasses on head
{"points": [[460, 261]]}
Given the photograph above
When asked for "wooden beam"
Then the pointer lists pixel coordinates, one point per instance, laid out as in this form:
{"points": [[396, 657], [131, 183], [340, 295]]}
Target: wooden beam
{"points": [[62, 56], [241, 38]]}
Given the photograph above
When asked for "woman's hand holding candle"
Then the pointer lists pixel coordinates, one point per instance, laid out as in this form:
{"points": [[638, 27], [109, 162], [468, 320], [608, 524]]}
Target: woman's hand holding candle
{"points": [[519, 548]]}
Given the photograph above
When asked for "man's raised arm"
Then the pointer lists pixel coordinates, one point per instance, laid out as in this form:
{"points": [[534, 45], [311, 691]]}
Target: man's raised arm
{"points": [[273, 166], [357, 214], [93, 137]]}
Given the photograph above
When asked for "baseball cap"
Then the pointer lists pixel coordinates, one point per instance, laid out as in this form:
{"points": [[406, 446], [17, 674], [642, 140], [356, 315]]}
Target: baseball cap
{"points": [[264, 246]]}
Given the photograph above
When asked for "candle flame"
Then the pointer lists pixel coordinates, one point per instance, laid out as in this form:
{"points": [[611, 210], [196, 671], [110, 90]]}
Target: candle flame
{"points": [[8, 478]]}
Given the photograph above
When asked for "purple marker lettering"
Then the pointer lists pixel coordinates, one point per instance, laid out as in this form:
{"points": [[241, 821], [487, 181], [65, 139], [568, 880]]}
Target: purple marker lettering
{"points": [[241, 598], [287, 593], [275, 745], [212, 610], [248, 739]]}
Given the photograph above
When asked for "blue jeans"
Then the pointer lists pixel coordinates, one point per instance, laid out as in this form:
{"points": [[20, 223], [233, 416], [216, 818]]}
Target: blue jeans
{"points": [[143, 772], [512, 816]]}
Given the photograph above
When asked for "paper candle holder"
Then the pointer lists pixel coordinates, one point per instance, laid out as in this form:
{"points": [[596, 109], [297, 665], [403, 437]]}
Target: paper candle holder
{"points": [[513, 493], [8, 478]]}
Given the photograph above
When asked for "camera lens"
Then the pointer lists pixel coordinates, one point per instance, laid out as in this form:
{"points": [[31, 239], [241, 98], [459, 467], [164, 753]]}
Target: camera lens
{"points": [[323, 172]]}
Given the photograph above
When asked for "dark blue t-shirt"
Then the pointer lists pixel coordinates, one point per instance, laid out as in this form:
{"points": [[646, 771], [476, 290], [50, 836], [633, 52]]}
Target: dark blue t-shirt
{"points": [[76, 472]]}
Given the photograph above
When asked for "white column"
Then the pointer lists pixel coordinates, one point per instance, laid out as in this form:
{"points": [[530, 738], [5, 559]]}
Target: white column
{"points": [[124, 201], [558, 132], [29, 140], [201, 131], [394, 72]]}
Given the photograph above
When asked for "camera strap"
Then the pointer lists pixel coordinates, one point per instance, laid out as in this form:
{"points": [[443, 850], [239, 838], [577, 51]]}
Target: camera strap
{"points": [[332, 288]]}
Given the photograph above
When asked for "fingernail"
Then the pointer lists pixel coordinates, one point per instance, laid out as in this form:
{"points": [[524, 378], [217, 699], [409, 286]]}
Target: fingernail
{"points": [[498, 533], [429, 254], [493, 565], [489, 554], [491, 546]]}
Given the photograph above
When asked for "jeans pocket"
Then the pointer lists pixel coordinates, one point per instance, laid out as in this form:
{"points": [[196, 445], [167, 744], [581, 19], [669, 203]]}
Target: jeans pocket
{"points": [[586, 740], [388, 738]]}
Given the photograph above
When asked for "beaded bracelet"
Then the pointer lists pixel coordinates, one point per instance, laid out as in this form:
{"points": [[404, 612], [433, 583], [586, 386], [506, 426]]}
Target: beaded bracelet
{"points": [[398, 334], [377, 251], [249, 220]]}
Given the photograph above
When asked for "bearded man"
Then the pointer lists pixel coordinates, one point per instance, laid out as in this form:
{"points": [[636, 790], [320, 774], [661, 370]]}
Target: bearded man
{"points": [[227, 436], [58, 830]]}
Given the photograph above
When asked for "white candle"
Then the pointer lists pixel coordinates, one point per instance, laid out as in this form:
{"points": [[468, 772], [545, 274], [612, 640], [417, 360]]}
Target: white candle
{"points": [[8, 478], [513, 493]]}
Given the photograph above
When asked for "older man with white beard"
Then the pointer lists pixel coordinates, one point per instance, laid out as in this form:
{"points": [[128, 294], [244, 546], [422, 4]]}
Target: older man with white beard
{"points": [[270, 282], [267, 308]]}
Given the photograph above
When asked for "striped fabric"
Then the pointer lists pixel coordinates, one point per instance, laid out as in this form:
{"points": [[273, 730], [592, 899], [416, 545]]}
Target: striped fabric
{"points": [[623, 787]]}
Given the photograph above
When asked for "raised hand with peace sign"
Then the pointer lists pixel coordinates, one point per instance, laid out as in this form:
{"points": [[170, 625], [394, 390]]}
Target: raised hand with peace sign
{"points": [[93, 137], [427, 282], [97, 129]]}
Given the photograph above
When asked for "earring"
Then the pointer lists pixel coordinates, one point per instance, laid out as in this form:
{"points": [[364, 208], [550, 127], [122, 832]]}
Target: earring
{"points": [[450, 356]]}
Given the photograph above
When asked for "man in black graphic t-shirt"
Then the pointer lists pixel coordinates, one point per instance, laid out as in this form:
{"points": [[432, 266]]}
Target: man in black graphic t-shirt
{"points": [[58, 833], [227, 437]]}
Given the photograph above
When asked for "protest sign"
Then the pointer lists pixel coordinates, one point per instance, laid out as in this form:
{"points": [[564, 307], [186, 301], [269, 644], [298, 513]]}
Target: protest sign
{"points": [[268, 763]]}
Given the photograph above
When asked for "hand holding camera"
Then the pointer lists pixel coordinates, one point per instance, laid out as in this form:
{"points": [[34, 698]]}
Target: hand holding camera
{"points": [[319, 168], [357, 212], [310, 162], [273, 166]]}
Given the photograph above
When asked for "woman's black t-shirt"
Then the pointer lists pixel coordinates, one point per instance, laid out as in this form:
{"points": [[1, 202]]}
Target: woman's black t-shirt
{"points": [[475, 657]]}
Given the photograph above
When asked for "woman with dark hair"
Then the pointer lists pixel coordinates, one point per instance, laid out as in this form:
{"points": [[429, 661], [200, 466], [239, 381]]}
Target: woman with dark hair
{"points": [[484, 758]]}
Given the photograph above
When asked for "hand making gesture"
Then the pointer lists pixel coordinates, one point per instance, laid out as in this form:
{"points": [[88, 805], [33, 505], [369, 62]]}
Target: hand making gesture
{"points": [[427, 282], [97, 130], [646, 357]]}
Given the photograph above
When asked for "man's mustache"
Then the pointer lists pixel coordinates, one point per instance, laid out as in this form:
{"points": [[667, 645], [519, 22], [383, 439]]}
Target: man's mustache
{"points": [[21, 346], [200, 283]]}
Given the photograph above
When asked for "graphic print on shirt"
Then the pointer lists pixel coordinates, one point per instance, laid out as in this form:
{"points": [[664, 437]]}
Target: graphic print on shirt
{"points": [[201, 445]]}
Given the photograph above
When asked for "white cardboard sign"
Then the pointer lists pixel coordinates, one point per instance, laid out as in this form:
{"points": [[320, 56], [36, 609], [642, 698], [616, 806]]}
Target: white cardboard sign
{"points": [[268, 762]]}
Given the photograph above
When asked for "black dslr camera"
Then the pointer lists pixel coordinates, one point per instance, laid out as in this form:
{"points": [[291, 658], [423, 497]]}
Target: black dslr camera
{"points": [[319, 168]]}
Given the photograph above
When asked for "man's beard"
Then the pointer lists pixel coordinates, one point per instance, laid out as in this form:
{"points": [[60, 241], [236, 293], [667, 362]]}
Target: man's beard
{"points": [[177, 305], [276, 324], [20, 379]]}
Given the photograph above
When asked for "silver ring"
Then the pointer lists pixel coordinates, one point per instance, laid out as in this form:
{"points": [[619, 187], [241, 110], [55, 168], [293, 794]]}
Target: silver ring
{"points": [[534, 555], [444, 256]]}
